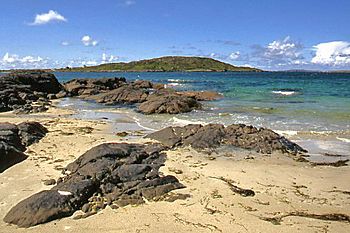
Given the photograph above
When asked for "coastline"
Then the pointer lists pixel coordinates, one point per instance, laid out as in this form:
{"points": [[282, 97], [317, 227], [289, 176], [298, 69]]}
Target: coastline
{"points": [[281, 184]]}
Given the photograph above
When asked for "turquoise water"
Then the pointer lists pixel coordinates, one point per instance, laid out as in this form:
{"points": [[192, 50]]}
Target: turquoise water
{"points": [[279, 100]]}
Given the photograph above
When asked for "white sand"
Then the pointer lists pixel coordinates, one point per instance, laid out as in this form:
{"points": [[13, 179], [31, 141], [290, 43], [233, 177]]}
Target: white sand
{"points": [[281, 186]]}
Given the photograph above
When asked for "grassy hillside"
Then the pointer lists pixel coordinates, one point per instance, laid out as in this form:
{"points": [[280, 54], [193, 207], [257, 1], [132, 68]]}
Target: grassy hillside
{"points": [[163, 64]]}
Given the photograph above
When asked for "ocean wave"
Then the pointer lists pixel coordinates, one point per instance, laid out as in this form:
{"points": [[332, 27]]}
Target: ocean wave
{"points": [[287, 132], [287, 93], [180, 81], [183, 122], [175, 84], [137, 121], [344, 139]]}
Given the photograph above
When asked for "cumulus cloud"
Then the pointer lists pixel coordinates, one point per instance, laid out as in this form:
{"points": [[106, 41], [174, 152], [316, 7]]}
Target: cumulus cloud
{"points": [[108, 58], [51, 16], [335, 53], [88, 41], [279, 53], [105, 58], [235, 55], [89, 63], [218, 56], [14, 61]]}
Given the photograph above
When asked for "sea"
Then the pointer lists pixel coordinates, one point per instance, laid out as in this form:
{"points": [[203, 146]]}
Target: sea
{"points": [[310, 108]]}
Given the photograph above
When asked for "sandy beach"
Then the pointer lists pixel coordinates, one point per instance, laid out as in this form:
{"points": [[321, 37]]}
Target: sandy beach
{"points": [[295, 193]]}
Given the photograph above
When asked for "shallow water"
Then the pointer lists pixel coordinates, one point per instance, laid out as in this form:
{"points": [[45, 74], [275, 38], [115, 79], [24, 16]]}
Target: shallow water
{"points": [[289, 103]]}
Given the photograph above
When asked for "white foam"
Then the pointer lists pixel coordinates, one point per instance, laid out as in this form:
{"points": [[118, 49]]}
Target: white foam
{"points": [[183, 122], [344, 139], [137, 121], [284, 92], [287, 132], [174, 84], [175, 80]]}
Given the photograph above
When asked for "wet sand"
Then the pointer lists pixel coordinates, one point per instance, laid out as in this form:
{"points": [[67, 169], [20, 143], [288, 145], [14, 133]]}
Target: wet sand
{"points": [[282, 186]]}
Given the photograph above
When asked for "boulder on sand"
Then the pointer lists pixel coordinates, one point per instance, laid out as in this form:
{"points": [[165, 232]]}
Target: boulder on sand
{"points": [[115, 174], [214, 135], [9, 156], [31, 132], [15, 138]]}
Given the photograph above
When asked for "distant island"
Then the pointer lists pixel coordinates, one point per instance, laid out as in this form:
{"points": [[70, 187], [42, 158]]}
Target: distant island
{"points": [[165, 64]]}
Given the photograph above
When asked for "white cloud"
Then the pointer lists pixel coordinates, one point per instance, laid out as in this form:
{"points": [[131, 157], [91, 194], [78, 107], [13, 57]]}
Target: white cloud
{"points": [[108, 58], [279, 53], [89, 63], [51, 16], [335, 53], [88, 41], [14, 61], [234, 55]]}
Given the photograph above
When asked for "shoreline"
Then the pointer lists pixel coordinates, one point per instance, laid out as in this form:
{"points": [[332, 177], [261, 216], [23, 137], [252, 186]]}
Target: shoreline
{"points": [[317, 143], [281, 186]]}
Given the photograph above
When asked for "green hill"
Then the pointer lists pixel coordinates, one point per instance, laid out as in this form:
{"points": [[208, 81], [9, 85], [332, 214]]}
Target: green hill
{"points": [[166, 64]]}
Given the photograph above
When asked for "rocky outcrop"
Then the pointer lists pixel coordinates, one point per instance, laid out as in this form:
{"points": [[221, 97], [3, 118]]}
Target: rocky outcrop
{"points": [[127, 94], [170, 103], [31, 132], [9, 156], [87, 87], [201, 95], [214, 135], [115, 174], [27, 91], [152, 97], [15, 138]]}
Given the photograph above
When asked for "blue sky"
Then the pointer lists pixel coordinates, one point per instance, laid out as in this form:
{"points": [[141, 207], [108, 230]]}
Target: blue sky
{"points": [[272, 35]]}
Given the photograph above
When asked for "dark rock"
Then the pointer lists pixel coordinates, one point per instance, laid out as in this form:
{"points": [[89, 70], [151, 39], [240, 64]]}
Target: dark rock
{"points": [[18, 90], [158, 86], [9, 156], [166, 136], [9, 134], [37, 80], [142, 84], [31, 132], [78, 87], [171, 104], [153, 98], [49, 205], [201, 95], [214, 135], [127, 94], [209, 136], [50, 182], [122, 134], [114, 174], [15, 138]]}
